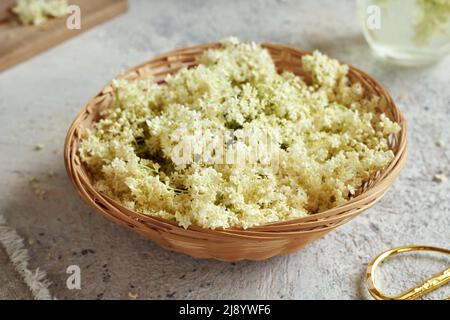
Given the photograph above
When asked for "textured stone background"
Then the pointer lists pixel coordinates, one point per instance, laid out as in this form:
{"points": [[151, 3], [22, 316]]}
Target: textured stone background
{"points": [[39, 98]]}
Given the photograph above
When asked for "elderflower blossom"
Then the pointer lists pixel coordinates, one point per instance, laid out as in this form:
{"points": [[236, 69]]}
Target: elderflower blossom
{"points": [[324, 133], [38, 11]]}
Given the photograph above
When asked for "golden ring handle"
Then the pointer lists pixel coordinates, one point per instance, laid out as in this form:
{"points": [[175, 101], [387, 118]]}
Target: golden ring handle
{"points": [[436, 281]]}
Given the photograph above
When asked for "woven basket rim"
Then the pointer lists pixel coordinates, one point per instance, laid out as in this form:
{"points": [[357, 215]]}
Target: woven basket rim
{"points": [[322, 218]]}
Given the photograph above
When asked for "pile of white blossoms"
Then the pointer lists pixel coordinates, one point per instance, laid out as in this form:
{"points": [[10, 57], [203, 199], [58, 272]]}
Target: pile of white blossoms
{"points": [[232, 143], [37, 12]]}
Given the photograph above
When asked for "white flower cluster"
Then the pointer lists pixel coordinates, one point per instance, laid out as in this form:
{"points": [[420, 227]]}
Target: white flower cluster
{"points": [[37, 11], [327, 138], [434, 20]]}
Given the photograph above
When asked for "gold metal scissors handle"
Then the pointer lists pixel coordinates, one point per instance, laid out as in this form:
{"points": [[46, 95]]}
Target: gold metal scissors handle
{"points": [[433, 283]]}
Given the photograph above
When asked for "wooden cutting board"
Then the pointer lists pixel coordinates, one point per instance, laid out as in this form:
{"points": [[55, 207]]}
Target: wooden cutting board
{"points": [[20, 42]]}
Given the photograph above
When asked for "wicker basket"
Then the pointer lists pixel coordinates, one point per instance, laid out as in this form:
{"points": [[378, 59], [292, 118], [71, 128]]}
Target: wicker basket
{"points": [[231, 244]]}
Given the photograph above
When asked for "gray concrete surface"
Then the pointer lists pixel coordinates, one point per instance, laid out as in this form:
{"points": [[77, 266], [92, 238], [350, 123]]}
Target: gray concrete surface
{"points": [[39, 98], [12, 285]]}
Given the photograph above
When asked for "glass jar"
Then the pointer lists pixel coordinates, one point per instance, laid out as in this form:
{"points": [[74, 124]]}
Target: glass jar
{"points": [[407, 32]]}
